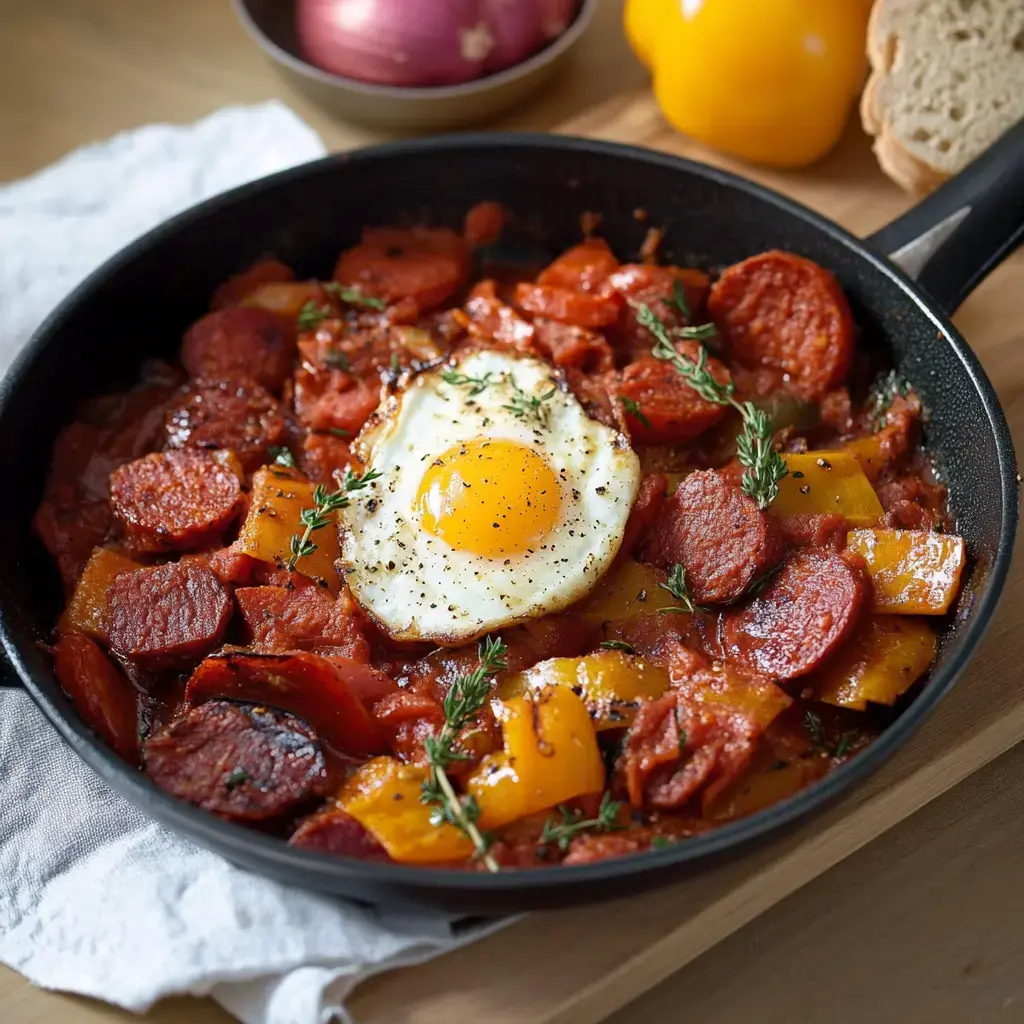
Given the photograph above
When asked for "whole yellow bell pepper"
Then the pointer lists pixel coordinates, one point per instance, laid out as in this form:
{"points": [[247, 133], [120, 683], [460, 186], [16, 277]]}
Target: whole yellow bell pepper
{"points": [[551, 755], [770, 81]]}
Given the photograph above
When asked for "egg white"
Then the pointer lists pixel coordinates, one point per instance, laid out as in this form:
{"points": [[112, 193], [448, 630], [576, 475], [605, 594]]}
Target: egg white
{"points": [[414, 584]]}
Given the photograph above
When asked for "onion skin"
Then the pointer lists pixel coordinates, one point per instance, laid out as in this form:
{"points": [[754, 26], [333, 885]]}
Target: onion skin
{"points": [[394, 42], [417, 43]]}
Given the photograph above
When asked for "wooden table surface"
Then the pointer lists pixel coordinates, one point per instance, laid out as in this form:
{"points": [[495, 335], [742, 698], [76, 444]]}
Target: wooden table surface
{"points": [[925, 921]]}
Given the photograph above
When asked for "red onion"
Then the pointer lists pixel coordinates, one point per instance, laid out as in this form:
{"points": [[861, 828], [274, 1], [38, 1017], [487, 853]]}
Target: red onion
{"points": [[426, 42]]}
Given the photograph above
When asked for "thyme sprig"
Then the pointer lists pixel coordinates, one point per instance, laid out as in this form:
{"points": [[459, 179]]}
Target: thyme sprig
{"points": [[282, 455], [618, 645], [326, 503], [679, 589], [353, 296], [524, 406], [462, 702], [633, 408], [763, 466], [477, 384], [312, 315], [561, 833]]}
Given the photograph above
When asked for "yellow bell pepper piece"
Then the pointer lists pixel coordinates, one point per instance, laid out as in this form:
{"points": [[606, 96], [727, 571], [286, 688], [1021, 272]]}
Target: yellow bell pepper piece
{"points": [[285, 298], [914, 572], [278, 497], [771, 81], [627, 590], [84, 613], [550, 756], [822, 482], [886, 656], [383, 795], [763, 784], [610, 683]]}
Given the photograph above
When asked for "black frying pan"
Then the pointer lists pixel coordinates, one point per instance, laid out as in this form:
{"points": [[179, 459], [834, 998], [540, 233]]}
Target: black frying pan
{"points": [[138, 304]]}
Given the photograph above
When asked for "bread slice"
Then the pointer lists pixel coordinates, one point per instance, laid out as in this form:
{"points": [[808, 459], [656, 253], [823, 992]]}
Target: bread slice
{"points": [[947, 80]]}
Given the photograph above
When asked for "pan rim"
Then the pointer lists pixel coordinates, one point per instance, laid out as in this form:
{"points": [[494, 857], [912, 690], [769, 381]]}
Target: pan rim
{"points": [[318, 870]]}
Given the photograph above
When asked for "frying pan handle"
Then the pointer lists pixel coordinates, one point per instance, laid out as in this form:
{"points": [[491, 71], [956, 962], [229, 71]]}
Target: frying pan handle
{"points": [[951, 241]]}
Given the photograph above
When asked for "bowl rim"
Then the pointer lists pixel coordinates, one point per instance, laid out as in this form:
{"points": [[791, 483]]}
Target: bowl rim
{"points": [[408, 884], [545, 55]]}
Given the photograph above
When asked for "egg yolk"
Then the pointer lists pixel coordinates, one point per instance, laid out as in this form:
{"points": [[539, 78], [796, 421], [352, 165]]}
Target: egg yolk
{"points": [[491, 498]]}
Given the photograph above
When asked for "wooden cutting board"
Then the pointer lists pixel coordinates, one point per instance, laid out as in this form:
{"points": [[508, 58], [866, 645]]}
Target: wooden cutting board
{"points": [[577, 966]]}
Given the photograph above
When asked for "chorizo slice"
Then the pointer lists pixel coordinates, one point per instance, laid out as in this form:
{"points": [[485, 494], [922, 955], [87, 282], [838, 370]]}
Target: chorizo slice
{"points": [[660, 407], [235, 289], [815, 529], [650, 500], [484, 223], [428, 265], [167, 616], [698, 737], [242, 762], [723, 541], [785, 312], [567, 306], [490, 319], [583, 268], [322, 691], [307, 618], [574, 347], [333, 400], [239, 415], [71, 531], [238, 342], [335, 832], [323, 455], [805, 613], [645, 284], [176, 500], [107, 702]]}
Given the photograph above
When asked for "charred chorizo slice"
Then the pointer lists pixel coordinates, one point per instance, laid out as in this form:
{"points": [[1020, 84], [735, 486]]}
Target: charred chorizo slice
{"points": [[235, 414], [660, 407], [242, 762], [785, 312], [335, 832], [239, 342], [167, 616], [322, 691], [723, 541], [176, 500], [107, 702], [805, 613]]}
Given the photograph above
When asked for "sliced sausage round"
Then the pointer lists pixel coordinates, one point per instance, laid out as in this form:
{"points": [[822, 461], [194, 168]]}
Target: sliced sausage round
{"points": [[660, 407], [242, 762], [568, 307], [428, 265], [106, 700], [239, 414], [717, 534], [805, 612], [242, 341], [324, 691], [176, 500], [645, 284], [785, 312], [333, 831], [168, 616]]}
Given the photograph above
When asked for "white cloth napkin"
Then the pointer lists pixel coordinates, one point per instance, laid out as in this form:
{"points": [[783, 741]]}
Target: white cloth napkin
{"points": [[96, 898]]}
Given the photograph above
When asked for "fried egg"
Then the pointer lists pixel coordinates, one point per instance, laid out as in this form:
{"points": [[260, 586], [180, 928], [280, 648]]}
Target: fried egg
{"points": [[499, 500]]}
